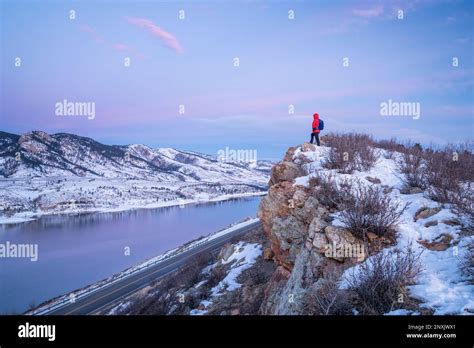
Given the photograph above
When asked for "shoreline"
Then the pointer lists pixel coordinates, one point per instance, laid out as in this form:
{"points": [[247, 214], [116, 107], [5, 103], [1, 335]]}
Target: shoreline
{"points": [[27, 216]]}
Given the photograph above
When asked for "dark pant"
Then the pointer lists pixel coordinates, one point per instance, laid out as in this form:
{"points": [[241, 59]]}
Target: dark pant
{"points": [[313, 136]]}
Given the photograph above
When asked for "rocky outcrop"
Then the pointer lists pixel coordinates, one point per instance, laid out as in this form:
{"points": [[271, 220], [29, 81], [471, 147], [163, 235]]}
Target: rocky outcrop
{"points": [[300, 233]]}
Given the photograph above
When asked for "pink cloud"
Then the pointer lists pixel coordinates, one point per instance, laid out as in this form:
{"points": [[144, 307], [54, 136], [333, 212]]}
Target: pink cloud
{"points": [[120, 47], [369, 13], [92, 32], [168, 39]]}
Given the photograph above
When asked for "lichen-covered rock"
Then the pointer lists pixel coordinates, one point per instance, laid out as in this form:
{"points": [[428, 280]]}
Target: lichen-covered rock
{"points": [[299, 197], [307, 270], [297, 225], [290, 235], [320, 242], [285, 171], [273, 290], [275, 204], [310, 209], [343, 242]]}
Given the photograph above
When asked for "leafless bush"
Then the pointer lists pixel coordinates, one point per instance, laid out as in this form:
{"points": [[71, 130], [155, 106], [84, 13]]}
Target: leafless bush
{"points": [[463, 205], [370, 210], [191, 273], [468, 263], [327, 299], [411, 166], [218, 273], [349, 152], [463, 158], [391, 146], [380, 282], [329, 191], [443, 174]]}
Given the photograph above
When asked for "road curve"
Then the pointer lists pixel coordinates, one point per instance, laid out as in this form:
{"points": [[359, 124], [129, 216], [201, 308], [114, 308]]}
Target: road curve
{"points": [[97, 300]]}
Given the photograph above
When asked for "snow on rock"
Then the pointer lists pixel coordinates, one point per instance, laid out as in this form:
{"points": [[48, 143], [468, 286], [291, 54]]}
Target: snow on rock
{"points": [[441, 285]]}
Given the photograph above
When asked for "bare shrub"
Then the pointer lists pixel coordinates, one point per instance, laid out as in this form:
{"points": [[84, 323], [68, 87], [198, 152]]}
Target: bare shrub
{"points": [[349, 152], [411, 166], [443, 175], [380, 282], [391, 146], [463, 205], [370, 210], [329, 191], [468, 263], [327, 298], [341, 158], [218, 273], [466, 162], [192, 272]]}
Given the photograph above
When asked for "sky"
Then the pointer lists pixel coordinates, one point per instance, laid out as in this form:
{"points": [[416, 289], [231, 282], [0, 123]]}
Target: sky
{"points": [[182, 87]]}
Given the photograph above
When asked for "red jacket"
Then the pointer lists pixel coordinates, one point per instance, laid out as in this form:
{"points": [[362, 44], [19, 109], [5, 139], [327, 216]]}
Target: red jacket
{"points": [[316, 123]]}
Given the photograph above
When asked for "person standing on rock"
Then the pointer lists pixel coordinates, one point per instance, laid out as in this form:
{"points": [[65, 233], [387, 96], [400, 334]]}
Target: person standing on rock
{"points": [[318, 125]]}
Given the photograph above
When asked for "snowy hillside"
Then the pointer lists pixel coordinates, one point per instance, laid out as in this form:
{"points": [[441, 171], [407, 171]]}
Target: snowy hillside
{"points": [[42, 173], [432, 229]]}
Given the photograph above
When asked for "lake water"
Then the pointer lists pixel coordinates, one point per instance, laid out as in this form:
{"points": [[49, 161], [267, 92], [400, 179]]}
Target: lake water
{"points": [[74, 251]]}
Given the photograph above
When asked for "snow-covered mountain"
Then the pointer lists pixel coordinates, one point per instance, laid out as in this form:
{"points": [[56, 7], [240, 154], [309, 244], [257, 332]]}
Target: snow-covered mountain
{"points": [[39, 154], [42, 173]]}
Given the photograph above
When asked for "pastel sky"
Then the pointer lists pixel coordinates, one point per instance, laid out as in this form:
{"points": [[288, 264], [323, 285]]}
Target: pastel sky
{"points": [[283, 62]]}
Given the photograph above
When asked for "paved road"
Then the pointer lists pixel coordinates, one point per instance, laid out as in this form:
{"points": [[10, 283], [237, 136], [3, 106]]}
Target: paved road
{"points": [[92, 303]]}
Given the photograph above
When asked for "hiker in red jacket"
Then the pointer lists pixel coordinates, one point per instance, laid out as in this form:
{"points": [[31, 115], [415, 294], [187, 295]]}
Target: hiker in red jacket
{"points": [[315, 133]]}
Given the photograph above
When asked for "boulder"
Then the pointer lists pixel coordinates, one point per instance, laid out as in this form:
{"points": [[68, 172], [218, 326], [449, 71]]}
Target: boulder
{"points": [[339, 239], [289, 154], [373, 180], [320, 242], [285, 171], [340, 235], [424, 213], [299, 197], [289, 236], [310, 209], [275, 204], [268, 254]]}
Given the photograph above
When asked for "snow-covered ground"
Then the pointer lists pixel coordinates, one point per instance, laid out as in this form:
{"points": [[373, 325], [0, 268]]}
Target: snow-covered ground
{"points": [[243, 257], [441, 285]]}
